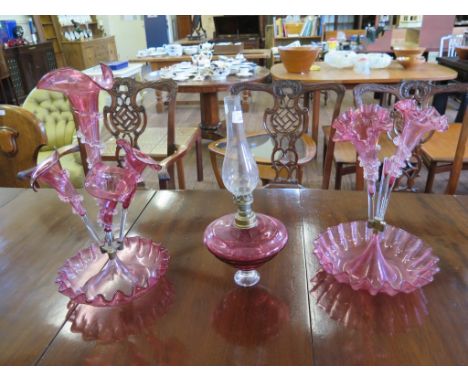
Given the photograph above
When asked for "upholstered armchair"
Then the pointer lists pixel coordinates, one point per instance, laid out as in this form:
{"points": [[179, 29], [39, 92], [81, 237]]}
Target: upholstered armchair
{"points": [[53, 110]]}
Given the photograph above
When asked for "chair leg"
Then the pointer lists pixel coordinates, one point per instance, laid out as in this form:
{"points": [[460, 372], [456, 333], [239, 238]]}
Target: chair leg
{"points": [[338, 168], [171, 182], [4, 96], [300, 173], [430, 177], [181, 174], [163, 183], [199, 151]]}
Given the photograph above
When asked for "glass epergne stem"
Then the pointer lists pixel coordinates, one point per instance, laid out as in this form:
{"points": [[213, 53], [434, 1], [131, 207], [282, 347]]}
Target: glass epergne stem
{"points": [[373, 255], [116, 269]]}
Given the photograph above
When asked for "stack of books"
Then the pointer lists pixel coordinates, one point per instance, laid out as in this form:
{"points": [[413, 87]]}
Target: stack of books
{"points": [[310, 26]]}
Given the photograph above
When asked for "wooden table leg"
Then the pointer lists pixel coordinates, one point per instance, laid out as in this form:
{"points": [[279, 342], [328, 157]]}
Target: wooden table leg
{"points": [[315, 115], [246, 94], [210, 124]]}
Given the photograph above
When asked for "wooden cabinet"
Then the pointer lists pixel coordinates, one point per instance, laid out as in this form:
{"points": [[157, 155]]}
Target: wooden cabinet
{"points": [[27, 64], [85, 54]]}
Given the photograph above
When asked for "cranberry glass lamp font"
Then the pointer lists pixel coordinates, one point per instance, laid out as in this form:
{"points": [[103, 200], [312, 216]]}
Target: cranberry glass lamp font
{"points": [[373, 255], [115, 269], [245, 239]]}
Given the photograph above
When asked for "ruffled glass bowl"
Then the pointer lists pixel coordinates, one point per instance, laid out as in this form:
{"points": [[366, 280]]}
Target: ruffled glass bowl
{"points": [[90, 277], [388, 262]]}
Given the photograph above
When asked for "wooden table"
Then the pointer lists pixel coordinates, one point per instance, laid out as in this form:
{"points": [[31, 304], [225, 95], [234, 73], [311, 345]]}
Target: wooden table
{"points": [[211, 125], [197, 316], [163, 61], [395, 73]]}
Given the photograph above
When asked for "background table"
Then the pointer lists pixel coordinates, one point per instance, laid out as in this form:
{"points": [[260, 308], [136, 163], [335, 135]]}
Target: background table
{"points": [[393, 74], [197, 316], [163, 61], [211, 126]]}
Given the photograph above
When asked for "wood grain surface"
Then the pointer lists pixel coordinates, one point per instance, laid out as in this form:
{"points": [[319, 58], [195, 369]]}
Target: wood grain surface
{"points": [[393, 74], [211, 321], [297, 315], [37, 234], [427, 327]]}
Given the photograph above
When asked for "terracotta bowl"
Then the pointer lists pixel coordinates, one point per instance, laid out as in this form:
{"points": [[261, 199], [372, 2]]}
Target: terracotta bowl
{"points": [[298, 59], [408, 51], [462, 52], [410, 62]]}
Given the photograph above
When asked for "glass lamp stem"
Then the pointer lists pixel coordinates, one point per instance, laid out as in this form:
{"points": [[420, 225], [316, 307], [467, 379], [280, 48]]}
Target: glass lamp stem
{"points": [[245, 217]]}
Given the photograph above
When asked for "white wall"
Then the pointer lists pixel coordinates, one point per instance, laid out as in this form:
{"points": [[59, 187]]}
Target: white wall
{"points": [[129, 32]]}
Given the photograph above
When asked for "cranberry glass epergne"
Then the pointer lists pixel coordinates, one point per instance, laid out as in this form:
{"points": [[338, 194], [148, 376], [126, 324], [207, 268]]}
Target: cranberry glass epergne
{"points": [[114, 269], [245, 239], [373, 255]]}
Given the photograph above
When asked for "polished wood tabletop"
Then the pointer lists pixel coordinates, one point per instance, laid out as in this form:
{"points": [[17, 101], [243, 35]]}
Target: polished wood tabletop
{"points": [[196, 315], [395, 73], [249, 54]]}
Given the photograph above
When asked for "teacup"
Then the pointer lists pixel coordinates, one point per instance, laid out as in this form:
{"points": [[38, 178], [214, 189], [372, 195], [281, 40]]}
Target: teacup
{"points": [[206, 46], [160, 50], [173, 49], [151, 50], [243, 71], [191, 50]]}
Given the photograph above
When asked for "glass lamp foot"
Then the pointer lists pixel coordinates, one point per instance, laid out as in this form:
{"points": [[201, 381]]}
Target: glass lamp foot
{"points": [[246, 278]]}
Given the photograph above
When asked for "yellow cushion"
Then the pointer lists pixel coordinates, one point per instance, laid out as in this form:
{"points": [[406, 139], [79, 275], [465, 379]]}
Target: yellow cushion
{"points": [[53, 110], [70, 164]]}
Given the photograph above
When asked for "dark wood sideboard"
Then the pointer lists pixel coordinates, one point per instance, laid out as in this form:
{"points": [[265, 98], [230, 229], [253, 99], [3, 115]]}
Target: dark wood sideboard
{"points": [[27, 64]]}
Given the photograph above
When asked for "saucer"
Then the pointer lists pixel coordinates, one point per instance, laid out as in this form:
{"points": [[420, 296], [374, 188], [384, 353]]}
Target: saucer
{"points": [[249, 74]]}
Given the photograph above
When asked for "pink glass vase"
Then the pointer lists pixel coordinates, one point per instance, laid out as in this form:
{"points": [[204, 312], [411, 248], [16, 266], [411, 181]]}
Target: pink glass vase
{"points": [[113, 270], [244, 240], [372, 255]]}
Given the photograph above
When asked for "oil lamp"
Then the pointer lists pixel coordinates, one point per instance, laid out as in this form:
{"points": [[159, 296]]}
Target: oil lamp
{"points": [[244, 239]]}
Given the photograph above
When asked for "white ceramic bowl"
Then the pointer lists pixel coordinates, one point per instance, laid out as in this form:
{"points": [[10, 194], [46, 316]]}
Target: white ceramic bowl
{"points": [[379, 60], [340, 58]]}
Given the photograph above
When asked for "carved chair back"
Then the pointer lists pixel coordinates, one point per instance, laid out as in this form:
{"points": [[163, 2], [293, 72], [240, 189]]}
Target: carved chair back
{"points": [[126, 118], [287, 121], [21, 137], [422, 92]]}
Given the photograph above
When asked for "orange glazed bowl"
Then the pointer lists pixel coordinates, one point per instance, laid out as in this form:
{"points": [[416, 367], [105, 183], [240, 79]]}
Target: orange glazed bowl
{"points": [[298, 59], [462, 52], [410, 62], [406, 51]]}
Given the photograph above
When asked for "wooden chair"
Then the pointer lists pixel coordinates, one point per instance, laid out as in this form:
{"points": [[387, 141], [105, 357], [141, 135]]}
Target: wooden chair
{"points": [[126, 118], [286, 125], [448, 148], [343, 154], [5, 77], [438, 154], [21, 137]]}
